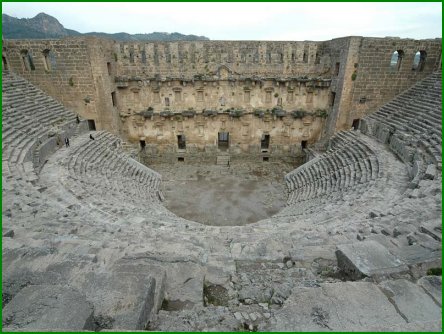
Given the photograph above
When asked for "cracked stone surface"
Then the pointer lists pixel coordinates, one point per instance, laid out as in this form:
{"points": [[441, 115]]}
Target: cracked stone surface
{"points": [[89, 227]]}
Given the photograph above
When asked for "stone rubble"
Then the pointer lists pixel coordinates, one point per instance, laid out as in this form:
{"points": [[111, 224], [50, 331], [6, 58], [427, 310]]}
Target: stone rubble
{"points": [[88, 245]]}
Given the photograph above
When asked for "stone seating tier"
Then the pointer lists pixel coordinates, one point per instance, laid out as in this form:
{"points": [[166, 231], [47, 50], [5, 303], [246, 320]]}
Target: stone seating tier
{"points": [[89, 227]]}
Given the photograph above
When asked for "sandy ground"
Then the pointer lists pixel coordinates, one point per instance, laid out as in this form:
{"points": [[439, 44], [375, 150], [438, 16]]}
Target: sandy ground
{"points": [[218, 195]]}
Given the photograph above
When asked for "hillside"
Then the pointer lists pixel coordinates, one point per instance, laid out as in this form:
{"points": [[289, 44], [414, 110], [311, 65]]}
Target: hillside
{"points": [[44, 26]]}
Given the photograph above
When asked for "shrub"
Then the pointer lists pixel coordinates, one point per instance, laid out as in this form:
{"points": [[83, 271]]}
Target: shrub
{"points": [[354, 75], [321, 113], [259, 113], [189, 113], [165, 113], [208, 112], [236, 113], [299, 113], [147, 113], [434, 271], [279, 112]]}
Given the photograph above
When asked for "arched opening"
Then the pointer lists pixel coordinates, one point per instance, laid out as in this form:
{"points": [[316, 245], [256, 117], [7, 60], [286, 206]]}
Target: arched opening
{"points": [[27, 61], [143, 54], [108, 67], [419, 61], [4, 63], [114, 99], [396, 60], [48, 59]]}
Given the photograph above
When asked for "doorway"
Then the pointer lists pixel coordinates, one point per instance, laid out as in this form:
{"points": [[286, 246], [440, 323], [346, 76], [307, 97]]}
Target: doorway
{"points": [[304, 144], [223, 140], [265, 142], [91, 125], [181, 144], [355, 124]]}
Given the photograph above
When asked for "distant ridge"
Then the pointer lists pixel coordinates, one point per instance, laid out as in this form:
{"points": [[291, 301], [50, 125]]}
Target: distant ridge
{"points": [[44, 26]]}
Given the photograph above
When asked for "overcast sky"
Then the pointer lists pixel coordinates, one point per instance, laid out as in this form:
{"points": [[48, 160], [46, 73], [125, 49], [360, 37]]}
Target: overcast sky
{"points": [[245, 21]]}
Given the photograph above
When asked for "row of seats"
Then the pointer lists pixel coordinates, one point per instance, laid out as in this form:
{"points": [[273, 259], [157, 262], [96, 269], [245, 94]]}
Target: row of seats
{"points": [[386, 177], [28, 116], [99, 166], [417, 115], [91, 206], [348, 163]]}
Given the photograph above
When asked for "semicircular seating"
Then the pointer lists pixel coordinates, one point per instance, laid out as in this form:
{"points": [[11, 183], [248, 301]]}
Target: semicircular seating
{"points": [[90, 217]]}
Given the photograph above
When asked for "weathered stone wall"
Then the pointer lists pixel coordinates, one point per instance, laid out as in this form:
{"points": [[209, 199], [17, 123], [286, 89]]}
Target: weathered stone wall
{"points": [[245, 133], [343, 61], [73, 71], [104, 69], [219, 96], [368, 81], [248, 58], [249, 94], [121, 85], [68, 78]]}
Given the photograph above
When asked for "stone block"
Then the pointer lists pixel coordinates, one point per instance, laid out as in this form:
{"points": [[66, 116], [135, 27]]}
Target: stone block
{"points": [[8, 233], [411, 301], [185, 284], [433, 286], [344, 306], [140, 266], [430, 172], [368, 259], [125, 299], [48, 307], [15, 280]]}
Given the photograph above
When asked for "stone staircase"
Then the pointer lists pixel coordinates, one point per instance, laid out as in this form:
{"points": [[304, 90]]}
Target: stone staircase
{"points": [[90, 221], [223, 160]]}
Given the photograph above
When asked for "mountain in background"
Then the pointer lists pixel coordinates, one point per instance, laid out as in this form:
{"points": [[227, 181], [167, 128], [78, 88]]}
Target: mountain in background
{"points": [[44, 26]]}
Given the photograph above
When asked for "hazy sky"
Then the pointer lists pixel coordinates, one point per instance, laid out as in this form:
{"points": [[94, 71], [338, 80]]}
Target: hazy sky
{"points": [[245, 21]]}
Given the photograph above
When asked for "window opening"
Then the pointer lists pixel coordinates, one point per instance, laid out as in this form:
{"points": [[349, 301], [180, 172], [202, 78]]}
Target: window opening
{"points": [[265, 141], [181, 144]]}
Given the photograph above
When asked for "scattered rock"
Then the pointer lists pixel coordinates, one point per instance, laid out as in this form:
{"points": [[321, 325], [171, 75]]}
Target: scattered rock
{"points": [[430, 172], [372, 215], [9, 234], [396, 232], [411, 239], [385, 232], [48, 307]]}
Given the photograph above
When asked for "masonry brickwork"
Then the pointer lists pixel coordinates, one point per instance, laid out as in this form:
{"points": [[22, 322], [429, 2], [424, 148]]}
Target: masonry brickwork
{"points": [[154, 92]]}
